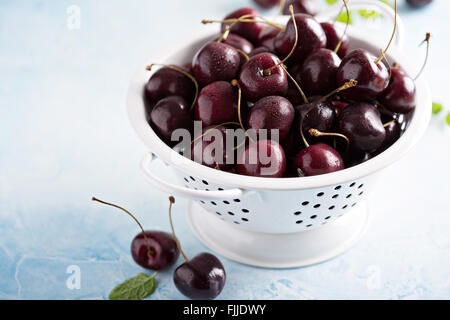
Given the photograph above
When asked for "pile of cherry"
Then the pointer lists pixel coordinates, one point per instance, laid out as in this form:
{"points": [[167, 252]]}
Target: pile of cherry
{"points": [[333, 109]]}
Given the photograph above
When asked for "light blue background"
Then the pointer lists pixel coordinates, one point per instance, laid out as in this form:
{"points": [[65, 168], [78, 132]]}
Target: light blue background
{"points": [[65, 136]]}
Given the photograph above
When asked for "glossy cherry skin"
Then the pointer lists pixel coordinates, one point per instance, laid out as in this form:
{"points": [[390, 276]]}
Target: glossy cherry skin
{"points": [[210, 149], [267, 38], [249, 31], [217, 103], [158, 252], [169, 114], [319, 71], [255, 84], [361, 124], [354, 157], [400, 95], [318, 159], [418, 3], [215, 62], [167, 82], [322, 117], [202, 278], [258, 50], [311, 37], [273, 112], [333, 38], [262, 158], [267, 4], [393, 133], [301, 6], [240, 43], [372, 78]]}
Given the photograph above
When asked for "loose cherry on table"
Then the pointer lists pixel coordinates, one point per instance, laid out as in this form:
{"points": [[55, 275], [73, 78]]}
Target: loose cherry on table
{"points": [[218, 103], [154, 250], [418, 3], [202, 277], [333, 37], [262, 158], [301, 6], [214, 62], [310, 36], [169, 114], [361, 123], [272, 112]]}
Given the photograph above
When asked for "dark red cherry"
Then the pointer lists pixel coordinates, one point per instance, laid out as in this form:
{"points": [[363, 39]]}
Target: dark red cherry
{"points": [[318, 159], [249, 31], [311, 37], [322, 117], [393, 133], [169, 114], [333, 37], [354, 157], [267, 38], [156, 250], [201, 278], [361, 123], [318, 73], [301, 6], [217, 103], [400, 95], [273, 112], [339, 104], [215, 62], [240, 43], [372, 78], [267, 4], [211, 149], [167, 82], [258, 50], [256, 84], [418, 3], [263, 158]]}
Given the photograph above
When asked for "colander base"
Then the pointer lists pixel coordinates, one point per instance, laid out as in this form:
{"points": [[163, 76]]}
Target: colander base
{"points": [[290, 250]]}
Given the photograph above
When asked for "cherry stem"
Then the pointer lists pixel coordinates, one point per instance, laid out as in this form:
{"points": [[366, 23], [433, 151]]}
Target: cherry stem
{"points": [[392, 36], [268, 71], [305, 99], [346, 28], [317, 133], [345, 86], [149, 68], [172, 201], [218, 126], [389, 123], [282, 5], [229, 27], [246, 20], [150, 252], [427, 40], [235, 83], [243, 54], [387, 62]]}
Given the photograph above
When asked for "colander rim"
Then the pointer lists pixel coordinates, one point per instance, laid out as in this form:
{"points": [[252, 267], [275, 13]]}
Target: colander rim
{"points": [[416, 128]]}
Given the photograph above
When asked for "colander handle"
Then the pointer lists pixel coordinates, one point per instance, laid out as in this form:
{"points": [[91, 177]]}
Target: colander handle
{"points": [[330, 14], [180, 191]]}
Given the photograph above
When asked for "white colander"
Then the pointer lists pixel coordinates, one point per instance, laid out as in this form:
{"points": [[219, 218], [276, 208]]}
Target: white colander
{"points": [[275, 222]]}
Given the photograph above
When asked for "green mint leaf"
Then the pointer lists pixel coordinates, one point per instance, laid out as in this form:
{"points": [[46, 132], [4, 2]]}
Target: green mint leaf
{"points": [[136, 288], [448, 119], [331, 2], [369, 14], [437, 107], [343, 17]]}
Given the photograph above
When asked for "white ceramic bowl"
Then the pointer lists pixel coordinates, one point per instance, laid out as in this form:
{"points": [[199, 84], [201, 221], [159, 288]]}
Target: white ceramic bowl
{"points": [[274, 205]]}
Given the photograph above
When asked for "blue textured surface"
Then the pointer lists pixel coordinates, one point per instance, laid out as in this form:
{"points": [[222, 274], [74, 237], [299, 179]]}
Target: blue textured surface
{"points": [[65, 137]]}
